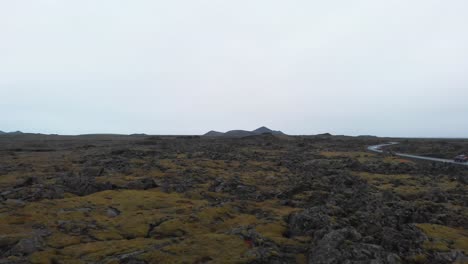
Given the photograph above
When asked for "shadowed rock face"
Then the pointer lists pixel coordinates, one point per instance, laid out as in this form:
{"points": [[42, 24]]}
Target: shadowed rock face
{"points": [[243, 133], [255, 199]]}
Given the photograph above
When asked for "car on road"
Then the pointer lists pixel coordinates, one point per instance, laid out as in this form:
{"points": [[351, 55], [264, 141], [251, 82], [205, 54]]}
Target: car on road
{"points": [[461, 158]]}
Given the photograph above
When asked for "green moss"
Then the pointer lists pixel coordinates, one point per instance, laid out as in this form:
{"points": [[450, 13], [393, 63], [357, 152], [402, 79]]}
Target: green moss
{"points": [[87, 216], [360, 156], [216, 248], [94, 251], [443, 238], [61, 240], [51, 256], [275, 208], [274, 232], [418, 259], [10, 179], [98, 250], [207, 220], [395, 160], [409, 192]]}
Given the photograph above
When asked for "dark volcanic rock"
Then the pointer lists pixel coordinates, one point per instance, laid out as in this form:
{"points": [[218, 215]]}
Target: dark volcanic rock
{"points": [[91, 172], [34, 193], [234, 186], [344, 246], [142, 184], [307, 221], [28, 181], [262, 249], [403, 240], [82, 185], [27, 246]]}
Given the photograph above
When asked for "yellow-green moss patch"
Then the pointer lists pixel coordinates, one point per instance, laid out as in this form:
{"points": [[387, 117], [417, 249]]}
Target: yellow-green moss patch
{"points": [[443, 238]]}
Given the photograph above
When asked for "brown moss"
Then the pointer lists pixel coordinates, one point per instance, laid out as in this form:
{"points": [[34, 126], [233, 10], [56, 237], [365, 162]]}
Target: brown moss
{"points": [[301, 259]]}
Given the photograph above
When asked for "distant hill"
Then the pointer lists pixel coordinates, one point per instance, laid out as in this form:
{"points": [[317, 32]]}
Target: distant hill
{"points": [[324, 135], [243, 133], [213, 133], [138, 135], [263, 130], [238, 133], [10, 133], [367, 136]]}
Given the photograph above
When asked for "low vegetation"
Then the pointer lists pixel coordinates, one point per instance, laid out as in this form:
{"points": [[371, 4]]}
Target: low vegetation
{"points": [[257, 199]]}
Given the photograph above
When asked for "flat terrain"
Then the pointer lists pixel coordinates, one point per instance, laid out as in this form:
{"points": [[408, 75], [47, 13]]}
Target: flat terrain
{"points": [[258, 199]]}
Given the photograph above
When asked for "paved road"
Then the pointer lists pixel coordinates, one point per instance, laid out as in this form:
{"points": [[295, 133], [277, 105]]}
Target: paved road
{"points": [[378, 149]]}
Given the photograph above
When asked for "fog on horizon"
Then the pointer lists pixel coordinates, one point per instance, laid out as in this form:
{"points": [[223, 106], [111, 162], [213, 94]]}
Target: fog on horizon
{"points": [[373, 67]]}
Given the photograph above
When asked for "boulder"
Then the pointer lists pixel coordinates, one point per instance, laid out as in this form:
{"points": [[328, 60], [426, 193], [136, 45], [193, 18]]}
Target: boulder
{"points": [[27, 246], [112, 212]]}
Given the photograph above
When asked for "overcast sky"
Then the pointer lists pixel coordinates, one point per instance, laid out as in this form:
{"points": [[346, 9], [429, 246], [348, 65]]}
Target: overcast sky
{"points": [[387, 68]]}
